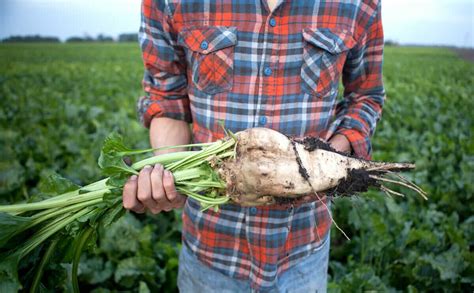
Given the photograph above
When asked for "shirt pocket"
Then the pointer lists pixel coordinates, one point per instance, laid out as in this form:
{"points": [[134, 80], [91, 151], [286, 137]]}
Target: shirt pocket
{"points": [[324, 54], [210, 57]]}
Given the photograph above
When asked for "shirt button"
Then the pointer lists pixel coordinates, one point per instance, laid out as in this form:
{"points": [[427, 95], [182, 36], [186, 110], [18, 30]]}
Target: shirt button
{"points": [[267, 71], [262, 120], [272, 22], [253, 210], [204, 45]]}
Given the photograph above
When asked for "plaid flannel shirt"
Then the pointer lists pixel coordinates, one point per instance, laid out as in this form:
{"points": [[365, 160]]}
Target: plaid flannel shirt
{"points": [[240, 64]]}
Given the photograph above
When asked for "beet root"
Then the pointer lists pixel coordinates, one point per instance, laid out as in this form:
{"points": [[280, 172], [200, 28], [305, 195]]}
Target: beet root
{"points": [[268, 165]]}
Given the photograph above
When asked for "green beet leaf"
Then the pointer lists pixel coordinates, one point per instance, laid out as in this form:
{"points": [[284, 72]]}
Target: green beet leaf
{"points": [[132, 269], [95, 270], [113, 214], [118, 180], [114, 144], [112, 164], [10, 226], [9, 273], [55, 184]]}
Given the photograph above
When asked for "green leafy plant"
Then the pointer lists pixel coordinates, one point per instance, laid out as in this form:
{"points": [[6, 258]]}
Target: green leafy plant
{"points": [[74, 214], [59, 102]]}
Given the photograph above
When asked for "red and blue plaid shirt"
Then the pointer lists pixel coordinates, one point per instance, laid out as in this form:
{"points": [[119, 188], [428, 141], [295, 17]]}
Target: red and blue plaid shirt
{"points": [[239, 64]]}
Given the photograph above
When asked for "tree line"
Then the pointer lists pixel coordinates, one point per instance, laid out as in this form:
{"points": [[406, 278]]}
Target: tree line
{"points": [[126, 37]]}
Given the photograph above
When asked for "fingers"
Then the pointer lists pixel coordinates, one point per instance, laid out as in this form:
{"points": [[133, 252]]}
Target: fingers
{"points": [[168, 185], [158, 191], [174, 197], [144, 192], [152, 189], [129, 198]]}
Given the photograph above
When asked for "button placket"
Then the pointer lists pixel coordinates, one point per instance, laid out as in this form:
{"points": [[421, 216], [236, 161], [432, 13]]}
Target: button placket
{"points": [[270, 71], [268, 93], [272, 22], [267, 71]]}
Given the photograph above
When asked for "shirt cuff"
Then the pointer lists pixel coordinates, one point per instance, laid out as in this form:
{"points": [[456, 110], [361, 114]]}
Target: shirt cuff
{"points": [[150, 107], [361, 146]]}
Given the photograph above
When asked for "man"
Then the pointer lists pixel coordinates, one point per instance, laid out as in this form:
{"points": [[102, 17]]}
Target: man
{"points": [[274, 64]]}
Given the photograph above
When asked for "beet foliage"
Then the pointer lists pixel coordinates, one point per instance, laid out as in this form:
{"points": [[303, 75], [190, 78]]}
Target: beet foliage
{"points": [[59, 102]]}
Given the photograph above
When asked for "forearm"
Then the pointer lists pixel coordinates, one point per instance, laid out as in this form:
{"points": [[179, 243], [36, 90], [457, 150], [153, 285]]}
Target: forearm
{"points": [[168, 132], [364, 92]]}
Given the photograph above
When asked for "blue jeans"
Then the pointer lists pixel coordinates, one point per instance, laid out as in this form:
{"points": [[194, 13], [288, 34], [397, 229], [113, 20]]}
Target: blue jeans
{"points": [[309, 275]]}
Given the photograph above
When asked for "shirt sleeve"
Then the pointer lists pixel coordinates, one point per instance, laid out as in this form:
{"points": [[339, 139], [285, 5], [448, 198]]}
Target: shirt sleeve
{"points": [[364, 92], [164, 80]]}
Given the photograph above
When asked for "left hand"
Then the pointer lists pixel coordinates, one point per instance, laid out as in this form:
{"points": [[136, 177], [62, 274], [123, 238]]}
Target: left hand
{"points": [[340, 143]]}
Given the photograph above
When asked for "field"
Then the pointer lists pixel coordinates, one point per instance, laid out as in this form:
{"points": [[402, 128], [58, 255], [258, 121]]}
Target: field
{"points": [[58, 102]]}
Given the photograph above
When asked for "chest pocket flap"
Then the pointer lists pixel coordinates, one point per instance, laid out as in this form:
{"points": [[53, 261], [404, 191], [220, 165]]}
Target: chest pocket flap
{"points": [[206, 40], [210, 57], [323, 59], [334, 41]]}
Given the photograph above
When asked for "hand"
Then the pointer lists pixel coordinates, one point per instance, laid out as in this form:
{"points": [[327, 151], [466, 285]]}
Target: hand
{"points": [[340, 143], [153, 189]]}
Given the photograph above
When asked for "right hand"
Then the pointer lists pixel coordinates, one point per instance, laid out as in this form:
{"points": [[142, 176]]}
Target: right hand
{"points": [[153, 189]]}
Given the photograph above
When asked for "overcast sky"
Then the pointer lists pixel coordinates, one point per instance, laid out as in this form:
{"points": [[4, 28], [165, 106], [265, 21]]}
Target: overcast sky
{"points": [[439, 22]]}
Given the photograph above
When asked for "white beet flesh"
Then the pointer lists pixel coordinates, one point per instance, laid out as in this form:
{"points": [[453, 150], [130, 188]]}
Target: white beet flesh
{"points": [[266, 166]]}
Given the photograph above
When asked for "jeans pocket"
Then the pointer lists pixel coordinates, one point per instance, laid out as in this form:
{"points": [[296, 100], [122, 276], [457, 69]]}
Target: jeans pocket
{"points": [[210, 57], [324, 54]]}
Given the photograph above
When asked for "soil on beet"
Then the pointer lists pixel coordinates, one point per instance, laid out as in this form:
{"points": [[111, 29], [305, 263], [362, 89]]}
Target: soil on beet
{"points": [[311, 143], [358, 180]]}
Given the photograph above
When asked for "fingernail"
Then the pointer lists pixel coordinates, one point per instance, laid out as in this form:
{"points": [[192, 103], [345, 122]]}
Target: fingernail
{"points": [[167, 173], [147, 167], [134, 177]]}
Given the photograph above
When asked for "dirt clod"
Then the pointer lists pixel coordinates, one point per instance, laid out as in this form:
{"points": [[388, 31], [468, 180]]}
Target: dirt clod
{"points": [[313, 143], [358, 180]]}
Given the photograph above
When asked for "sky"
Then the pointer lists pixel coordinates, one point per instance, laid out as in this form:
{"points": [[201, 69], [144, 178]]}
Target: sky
{"points": [[424, 22]]}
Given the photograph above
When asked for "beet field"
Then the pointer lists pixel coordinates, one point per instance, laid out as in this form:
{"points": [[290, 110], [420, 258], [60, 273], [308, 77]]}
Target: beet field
{"points": [[59, 102]]}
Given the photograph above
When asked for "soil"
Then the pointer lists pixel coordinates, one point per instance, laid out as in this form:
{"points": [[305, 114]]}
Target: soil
{"points": [[313, 143], [286, 200], [358, 180]]}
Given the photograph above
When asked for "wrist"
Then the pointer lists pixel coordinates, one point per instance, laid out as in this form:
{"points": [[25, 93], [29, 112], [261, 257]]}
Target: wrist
{"points": [[340, 143], [169, 132]]}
